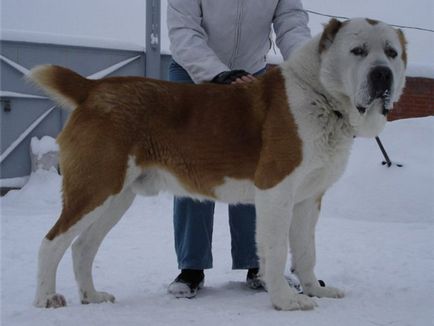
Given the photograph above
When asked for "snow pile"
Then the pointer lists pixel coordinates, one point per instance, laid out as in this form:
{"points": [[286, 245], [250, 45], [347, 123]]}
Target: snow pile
{"points": [[44, 156], [71, 40], [420, 70], [44, 183], [44, 153], [374, 240], [42, 189], [13, 182], [42, 146]]}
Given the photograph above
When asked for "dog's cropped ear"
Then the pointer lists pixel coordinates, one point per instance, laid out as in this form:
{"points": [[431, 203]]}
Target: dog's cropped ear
{"points": [[329, 33], [403, 42]]}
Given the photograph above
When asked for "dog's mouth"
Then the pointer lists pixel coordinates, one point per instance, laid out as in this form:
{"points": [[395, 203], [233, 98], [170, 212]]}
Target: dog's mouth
{"points": [[362, 109], [382, 99], [378, 91]]}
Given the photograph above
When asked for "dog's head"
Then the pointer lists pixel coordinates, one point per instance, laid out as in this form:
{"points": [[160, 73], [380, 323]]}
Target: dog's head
{"points": [[364, 61]]}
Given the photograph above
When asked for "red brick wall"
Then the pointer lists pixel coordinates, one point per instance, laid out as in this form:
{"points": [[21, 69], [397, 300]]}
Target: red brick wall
{"points": [[416, 101]]}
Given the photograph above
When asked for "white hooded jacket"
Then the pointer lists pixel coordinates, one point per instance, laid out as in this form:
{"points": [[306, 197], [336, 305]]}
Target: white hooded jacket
{"points": [[208, 37]]}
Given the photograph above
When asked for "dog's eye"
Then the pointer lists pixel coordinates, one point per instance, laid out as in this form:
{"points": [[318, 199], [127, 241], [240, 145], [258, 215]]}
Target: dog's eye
{"points": [[360, 51], [391, 53]]}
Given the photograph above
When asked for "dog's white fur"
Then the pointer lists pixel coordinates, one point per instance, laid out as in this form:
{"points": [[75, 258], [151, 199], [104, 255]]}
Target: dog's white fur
{"points": [[324, 90]]}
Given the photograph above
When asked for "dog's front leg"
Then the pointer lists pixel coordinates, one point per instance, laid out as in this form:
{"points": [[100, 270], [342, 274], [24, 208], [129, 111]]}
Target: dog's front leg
{"points": [[302, 243], [273, 211]]}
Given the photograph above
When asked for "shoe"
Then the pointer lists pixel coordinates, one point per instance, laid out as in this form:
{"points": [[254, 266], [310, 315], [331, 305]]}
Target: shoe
{"points": [[187, 283], [294, 283], [253, 280]]}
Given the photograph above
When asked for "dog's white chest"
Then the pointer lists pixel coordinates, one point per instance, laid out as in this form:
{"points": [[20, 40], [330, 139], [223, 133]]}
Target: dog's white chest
{"points": [[323, 168], [316, 182]]}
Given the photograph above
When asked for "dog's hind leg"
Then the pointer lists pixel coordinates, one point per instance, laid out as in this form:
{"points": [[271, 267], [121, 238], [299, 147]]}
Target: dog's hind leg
{"points": [[87, 244], [53, 246], [302, 243], [88, 190], [50, 254], [273, 216]]}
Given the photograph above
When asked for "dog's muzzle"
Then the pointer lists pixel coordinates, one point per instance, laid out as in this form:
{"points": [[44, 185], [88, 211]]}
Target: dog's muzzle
{"points": [[380, 81]]}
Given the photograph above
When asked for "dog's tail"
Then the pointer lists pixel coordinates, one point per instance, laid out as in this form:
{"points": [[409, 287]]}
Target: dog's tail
{"points": [[66, 87]]}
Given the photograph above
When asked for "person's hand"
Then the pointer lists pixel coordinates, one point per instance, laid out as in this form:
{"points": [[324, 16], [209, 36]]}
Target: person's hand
{"points": [[233, 77], [244, 79]]}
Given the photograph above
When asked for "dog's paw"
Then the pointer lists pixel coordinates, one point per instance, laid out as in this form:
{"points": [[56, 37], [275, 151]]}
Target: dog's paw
{"points": [[295, 302], [324, 292], [50, 301], [96, 297]]}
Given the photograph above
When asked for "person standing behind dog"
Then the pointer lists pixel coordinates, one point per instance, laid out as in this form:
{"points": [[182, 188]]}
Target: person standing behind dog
{"points": [[223, 42]]}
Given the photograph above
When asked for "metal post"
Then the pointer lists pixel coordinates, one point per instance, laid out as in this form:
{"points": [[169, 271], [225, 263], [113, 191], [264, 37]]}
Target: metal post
{"points": [[387, 161], [153, 48]]}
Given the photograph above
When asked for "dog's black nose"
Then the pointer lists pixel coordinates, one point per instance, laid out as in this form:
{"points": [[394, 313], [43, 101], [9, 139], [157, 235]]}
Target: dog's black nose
{"points": [[380, 79]]}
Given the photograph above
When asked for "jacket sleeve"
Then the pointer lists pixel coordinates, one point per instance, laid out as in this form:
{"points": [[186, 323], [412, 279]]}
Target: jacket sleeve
{"points": [[188, 41], [290, 25]]}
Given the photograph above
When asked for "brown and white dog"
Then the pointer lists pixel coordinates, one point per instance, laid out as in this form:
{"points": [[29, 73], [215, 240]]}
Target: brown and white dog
{"points": [[279, 142]]}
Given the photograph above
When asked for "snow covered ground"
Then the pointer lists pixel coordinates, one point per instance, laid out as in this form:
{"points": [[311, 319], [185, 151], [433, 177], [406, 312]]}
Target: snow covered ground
{"points": [[375, 240]]}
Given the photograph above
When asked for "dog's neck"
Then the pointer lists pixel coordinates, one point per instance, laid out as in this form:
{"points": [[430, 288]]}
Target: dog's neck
{"points": [[305, 65], [303, 68]]}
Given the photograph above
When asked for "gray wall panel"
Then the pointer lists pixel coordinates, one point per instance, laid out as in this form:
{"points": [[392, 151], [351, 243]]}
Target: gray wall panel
{"points": [[18, 162], [24, 111]]}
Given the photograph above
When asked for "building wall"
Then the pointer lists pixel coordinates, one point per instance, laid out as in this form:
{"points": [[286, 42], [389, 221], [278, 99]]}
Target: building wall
{"points": [[416, 101], [18, 111]]}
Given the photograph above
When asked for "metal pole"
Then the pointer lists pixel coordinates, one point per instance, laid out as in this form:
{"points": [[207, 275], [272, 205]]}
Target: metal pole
{"points": [[387, 160], [386, 157], [153, 48]]}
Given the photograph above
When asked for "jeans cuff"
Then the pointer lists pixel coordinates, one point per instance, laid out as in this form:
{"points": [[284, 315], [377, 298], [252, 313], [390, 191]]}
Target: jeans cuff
{"points": [[194, 265], [252, 263]]}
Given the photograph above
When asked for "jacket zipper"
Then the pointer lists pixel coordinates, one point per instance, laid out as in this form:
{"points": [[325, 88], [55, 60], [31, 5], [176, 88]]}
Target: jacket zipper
{"points": [[237, 33]]}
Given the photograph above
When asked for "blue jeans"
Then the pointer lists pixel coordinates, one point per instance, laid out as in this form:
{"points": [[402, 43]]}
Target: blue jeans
{"points": [[193, 222]]}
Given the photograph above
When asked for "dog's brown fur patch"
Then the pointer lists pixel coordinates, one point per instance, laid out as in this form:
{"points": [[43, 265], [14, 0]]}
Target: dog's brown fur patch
{"points": [[329, 33], [403, 41], [201, 134]]}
